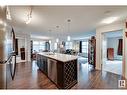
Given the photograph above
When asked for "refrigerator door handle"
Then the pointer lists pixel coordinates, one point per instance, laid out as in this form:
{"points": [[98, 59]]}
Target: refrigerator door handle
{"points": [[12, 60], [12, 69]]}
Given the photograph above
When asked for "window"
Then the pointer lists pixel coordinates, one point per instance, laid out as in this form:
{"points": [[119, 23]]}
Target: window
{"points": [[35, 43], [42, 45], [55, 46], [68, 45], [38, 45], [84, 46]]}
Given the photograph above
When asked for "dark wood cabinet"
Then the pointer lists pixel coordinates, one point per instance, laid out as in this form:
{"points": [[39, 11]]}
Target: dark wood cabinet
{"points": [[110, 54], [42, 63], [66, 74], [92, 51], [22, 50], [31, 44], [16, 46], [120, 47]]}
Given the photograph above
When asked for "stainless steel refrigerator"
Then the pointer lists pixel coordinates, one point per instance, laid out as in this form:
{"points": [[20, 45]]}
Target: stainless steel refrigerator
{"points": [[7, 51]]}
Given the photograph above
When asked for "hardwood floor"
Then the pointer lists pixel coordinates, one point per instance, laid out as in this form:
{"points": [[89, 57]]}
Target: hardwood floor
{"points": [[29, 77], [96, 79]]}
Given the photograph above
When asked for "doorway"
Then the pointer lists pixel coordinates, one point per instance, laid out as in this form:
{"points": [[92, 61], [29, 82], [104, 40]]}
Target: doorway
{"points": [[112, 51], [20, 45]]}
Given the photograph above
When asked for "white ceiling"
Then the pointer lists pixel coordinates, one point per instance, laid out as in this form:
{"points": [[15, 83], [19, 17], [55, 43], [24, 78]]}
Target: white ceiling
{"points": [[84, 19]]}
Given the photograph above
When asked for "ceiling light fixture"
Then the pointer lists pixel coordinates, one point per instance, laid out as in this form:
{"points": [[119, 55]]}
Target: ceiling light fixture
{"points": [[109, 20], [29, 16], [8, 15], [50, 41], [68, 37], [50, 38], [57, 40]]}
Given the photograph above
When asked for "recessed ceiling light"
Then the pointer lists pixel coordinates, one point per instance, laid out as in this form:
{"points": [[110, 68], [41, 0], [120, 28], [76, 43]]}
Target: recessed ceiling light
{"points": [[109, 20]]}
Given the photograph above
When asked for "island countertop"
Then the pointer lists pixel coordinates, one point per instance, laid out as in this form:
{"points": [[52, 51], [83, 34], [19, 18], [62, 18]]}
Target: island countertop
{"points": [[58, 56]]}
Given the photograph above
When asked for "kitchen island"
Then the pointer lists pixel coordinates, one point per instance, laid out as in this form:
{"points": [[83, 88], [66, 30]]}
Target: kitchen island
{"points": [[61, 69]]}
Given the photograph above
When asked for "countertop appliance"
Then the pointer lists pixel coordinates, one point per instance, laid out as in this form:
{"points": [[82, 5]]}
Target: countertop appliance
{"points": [[7, 51]]}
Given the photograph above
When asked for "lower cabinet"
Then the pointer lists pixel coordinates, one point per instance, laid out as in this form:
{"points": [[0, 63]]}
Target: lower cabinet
{"points": [[42, 63], [38, 60], [63, 74]]}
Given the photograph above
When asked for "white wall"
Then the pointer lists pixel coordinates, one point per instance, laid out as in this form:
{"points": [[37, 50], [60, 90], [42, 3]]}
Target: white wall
{"points": [[24, 39], [28, 47], [113, 43], [125, 59], [103, 29], [21, 43]]}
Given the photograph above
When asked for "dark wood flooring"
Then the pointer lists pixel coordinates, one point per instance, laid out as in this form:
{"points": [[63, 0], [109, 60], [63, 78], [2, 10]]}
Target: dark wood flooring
{"points": [[28, 76]]}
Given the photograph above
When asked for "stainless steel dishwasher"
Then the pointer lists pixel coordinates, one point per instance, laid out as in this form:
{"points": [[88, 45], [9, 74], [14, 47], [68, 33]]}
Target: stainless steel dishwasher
{"points": [[52, 70]]}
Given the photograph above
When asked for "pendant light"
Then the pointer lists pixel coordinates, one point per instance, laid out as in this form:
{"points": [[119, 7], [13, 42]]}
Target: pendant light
{"points": [[50, 35], [57, 39], [29, 16], [50, 41], [8, 14], [68, 37]]}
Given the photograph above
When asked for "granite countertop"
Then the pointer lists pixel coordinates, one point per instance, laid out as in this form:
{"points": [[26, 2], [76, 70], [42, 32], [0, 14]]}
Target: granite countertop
{"points": [[58, 56]]}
